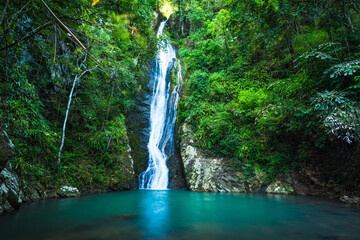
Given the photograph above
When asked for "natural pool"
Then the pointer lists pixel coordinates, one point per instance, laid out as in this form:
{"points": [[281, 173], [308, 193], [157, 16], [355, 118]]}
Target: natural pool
{"points": [[182, 215]]}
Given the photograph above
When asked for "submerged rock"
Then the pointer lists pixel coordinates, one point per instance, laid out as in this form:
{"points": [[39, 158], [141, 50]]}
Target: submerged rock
{"points": [[67, 191], [84, 227], [333, 212], [122, 217]]}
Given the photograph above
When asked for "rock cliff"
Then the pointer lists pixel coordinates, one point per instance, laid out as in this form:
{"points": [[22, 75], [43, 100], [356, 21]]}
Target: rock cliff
{"points": [[213, 174], [209, 174], [13, 191]]}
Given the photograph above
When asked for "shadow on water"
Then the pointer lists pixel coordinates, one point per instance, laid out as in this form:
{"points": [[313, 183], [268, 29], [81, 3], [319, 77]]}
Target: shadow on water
{"points": [[182, 215]]}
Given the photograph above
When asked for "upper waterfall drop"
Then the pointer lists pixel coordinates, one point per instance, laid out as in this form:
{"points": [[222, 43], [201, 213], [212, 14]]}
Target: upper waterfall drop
{"points": [[162, 118]]}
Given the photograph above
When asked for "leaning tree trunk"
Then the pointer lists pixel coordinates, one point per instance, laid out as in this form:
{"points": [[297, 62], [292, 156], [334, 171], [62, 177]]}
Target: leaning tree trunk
{"points": [[65, 120]]}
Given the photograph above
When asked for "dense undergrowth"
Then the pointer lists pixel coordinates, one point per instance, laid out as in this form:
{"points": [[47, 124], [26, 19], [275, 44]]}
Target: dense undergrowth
{"points": [[274, 84], [108, 55]]}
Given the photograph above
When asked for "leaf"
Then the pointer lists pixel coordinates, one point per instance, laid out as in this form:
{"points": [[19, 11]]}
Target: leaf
{"points": [[95, 2]]}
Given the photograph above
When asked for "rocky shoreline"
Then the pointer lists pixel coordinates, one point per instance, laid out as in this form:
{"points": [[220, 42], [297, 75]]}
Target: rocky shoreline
{"points": [[212, 174], [201, 172], [15, 190]]}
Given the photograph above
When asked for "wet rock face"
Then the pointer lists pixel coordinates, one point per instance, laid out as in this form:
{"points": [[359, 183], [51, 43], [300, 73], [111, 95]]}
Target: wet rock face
{"points": [[212, 174], [138, 126], [139, 132], [6, 149], [176, 171], [159, 17]]}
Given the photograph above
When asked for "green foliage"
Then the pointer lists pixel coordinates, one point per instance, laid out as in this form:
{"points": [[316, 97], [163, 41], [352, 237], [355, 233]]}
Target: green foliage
{"points": [[270, 82], [22, 114], [266, 82], [338, 115], [39, 62]]}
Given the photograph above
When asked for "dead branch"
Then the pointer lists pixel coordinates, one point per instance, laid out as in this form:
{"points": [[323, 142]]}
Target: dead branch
{"points": [[63, 25], [66, 29], [55, 42]]}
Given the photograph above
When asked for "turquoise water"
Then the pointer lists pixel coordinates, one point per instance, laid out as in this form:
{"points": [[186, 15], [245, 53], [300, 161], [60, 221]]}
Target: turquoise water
{"points": [[182, 215]]}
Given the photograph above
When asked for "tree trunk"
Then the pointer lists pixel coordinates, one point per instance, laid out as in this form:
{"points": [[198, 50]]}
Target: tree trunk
{"points": [[288, 41], [77, 77], [65, 120]]}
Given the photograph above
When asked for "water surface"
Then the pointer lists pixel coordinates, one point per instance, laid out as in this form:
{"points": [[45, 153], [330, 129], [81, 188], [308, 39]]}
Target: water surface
{"points": [[182, 215]]}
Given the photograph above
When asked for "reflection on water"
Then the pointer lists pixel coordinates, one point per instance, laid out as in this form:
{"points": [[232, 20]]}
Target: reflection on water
{"points": [[182, 215], [154, 208]]}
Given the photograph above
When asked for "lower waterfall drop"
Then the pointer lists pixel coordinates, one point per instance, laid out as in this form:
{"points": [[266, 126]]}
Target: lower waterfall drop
{"points": [[162, 118]]}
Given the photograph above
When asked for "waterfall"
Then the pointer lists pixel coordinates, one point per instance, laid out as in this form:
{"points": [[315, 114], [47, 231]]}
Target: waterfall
{"points": [[162, 117]]}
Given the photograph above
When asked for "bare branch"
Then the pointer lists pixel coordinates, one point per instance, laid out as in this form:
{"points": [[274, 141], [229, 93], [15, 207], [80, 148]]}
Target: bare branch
{"points": [[63, 25], [55, 42]]}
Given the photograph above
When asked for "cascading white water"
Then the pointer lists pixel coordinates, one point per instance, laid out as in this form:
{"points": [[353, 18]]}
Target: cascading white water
{"points": [[162, 118]]}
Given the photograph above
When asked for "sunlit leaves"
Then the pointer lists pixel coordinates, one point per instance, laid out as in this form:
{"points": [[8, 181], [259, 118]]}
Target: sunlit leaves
{"points": [[267, 3], [95, 2]]}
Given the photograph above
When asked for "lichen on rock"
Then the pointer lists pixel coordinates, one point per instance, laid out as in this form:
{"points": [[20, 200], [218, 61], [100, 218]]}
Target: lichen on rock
{"points": [[67, 191], [350, 200], [279, 188]]}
